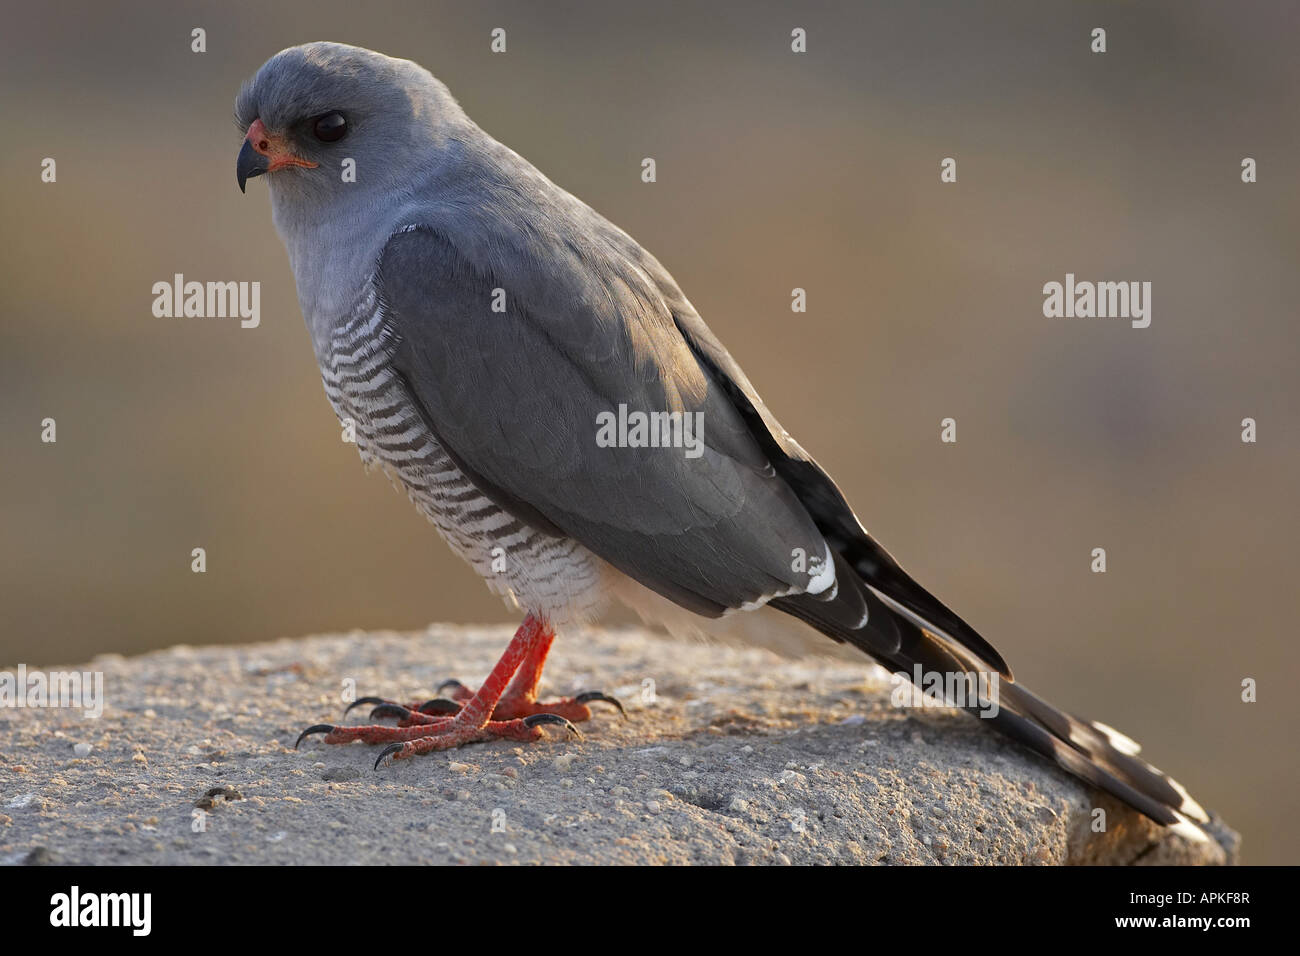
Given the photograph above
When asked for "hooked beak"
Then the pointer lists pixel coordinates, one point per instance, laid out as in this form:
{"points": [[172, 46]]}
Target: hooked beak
{"points": [[250, 163], [264, 152]]}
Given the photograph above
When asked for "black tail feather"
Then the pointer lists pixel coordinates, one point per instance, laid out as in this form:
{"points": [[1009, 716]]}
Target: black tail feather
{"points": [[1093, 753]]}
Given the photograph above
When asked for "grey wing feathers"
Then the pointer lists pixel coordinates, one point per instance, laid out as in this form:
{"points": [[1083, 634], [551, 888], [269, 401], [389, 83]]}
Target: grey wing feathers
{"points": [[823, 499], [514, 398]]}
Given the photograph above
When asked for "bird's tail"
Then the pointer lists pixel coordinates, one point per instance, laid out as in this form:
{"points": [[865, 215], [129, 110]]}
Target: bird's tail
{"points": [[854, 612]]}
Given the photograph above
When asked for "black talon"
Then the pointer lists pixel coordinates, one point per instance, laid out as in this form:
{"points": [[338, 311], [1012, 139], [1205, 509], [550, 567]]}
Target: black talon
{"points": [[365, 700], [453, 684], [390, 749], [588, 696], [440, 705], [389, 709], [535, 719], [314, 729]]}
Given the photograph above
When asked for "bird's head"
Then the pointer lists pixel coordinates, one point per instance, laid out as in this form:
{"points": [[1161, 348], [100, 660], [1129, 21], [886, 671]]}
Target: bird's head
{"points": [[323, 120]]}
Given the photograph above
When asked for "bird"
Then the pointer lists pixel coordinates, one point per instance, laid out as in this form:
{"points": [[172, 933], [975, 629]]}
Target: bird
{"points": [[549, 398]]}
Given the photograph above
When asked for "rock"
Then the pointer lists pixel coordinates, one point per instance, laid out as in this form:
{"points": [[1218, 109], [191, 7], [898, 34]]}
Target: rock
{"points": [[737, 756], [341, 774], [38, 856]]}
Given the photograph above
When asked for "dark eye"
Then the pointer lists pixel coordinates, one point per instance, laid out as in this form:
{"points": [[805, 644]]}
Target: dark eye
{"points": [[330, 128]]}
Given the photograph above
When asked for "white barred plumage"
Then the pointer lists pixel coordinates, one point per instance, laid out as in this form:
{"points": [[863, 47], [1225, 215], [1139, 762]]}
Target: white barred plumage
{"points": [[553, 576]]}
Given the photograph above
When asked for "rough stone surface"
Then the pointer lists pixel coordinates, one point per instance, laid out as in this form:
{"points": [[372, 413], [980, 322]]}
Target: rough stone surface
{"points": [[730, 756]]}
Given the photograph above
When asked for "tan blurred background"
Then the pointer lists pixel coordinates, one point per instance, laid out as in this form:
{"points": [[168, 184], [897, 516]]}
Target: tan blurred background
{"points": [[775, 171]]}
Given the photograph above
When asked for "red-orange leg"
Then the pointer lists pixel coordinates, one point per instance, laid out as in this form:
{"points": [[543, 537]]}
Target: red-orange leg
{"points": [[473, 722], [518, 700]]}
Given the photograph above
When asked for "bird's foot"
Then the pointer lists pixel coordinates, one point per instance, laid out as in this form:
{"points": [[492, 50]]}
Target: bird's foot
{"points": [[522, 701], [494, 711], [517, 700], [441, 733], [418, 712], [509, 707], [573, 708]]}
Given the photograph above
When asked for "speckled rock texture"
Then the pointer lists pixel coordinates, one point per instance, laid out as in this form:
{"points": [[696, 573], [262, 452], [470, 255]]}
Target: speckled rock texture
{"points": [[729, 755]]}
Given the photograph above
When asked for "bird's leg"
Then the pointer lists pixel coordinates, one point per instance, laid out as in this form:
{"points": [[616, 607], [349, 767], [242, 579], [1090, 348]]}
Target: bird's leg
{"points": [[424, 732], [520, 698]]}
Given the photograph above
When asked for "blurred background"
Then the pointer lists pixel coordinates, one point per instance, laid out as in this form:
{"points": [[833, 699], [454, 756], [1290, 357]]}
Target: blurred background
{"points": [[775, 171]]}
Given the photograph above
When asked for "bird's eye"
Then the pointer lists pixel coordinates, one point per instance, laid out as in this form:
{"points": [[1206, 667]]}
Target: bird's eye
{"points": [[330, 128]]}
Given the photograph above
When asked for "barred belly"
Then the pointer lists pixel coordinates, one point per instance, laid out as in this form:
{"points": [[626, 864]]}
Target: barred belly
{"points": [[535, 571]]}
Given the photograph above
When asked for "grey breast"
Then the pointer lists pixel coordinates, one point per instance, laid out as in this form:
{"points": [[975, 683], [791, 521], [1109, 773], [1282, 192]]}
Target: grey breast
{"points": [[555, 576]]}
